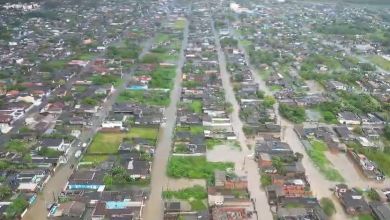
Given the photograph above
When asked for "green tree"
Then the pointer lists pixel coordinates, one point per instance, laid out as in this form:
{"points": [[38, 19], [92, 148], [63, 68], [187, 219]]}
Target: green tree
{"points": [[328, 206], [5, 192], [16, 207], [269, 101]]}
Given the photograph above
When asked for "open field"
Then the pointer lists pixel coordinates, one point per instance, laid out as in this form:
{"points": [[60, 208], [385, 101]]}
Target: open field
{"points": [[108, 143], [381, 62]]}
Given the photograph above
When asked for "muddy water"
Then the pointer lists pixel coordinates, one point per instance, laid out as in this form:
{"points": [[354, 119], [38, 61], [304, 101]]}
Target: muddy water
{"points": [[320, 186], [154, 207], [250, 166]]}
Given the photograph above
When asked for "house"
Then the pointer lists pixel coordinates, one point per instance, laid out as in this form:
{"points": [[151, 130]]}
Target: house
{"points": [[117, 210], [57, 144], [333, 85], [86, 180], [352, 201], [138, 169], [344, 133], [5, 123], [71, 210], [114, 121], [348, 118], [381, 211], [228, 181]]}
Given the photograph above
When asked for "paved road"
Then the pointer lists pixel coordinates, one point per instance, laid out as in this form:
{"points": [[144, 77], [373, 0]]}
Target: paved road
{"points": [[58, 181], [154, 206], [250, 166]]}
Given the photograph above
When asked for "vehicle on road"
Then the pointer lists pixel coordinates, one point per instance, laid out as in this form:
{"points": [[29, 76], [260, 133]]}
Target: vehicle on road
{"points": [[77, 154]]}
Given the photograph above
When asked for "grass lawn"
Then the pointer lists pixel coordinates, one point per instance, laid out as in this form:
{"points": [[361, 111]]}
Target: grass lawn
{"points": [[365, 217], [95, 159], [316, 154], [105, 143], [143, 132], [108, 143], [160, 38], [381, 62], [180, 24], [196, 106], [211, 143], [194, 167], [245, 43], [197, 129]]}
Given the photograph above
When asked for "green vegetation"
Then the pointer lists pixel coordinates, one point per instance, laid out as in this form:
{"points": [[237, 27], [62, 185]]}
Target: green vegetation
{"points": [[265, 180], [130, 51], [162, 78], [143, 132], [94, 159], [51, 66], [153, 58], [211, 143], [180, 24], [5, 192], [106, 79], [228, 42], [386, 131], [152, 97], [295, 114], [258, 57], [269, 101], [197, 129], [17, 146], [194, 167], [47, 152], [381, 62], [381, 158], [340, 28], [119, 176], [108, 143], [16, 208], [373, 195], [316, 154], [329, 111], [105, 143], [359, 102], [194, 195], [366, 217], [328, 206], [196, 106]]}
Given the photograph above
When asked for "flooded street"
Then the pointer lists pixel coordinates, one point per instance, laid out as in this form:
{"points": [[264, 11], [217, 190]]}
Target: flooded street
{"points": [[154, 207], [320, 186], [58, 181], [249, 166]]}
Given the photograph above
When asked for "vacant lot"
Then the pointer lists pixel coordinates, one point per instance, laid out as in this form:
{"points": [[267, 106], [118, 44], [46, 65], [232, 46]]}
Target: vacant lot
{"points": [[381, 62], [108, 143], [194, 167]]}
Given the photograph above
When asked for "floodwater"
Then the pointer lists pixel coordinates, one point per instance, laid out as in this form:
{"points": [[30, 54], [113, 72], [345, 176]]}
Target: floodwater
{"points": [[154, 207], [249, 167]]}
